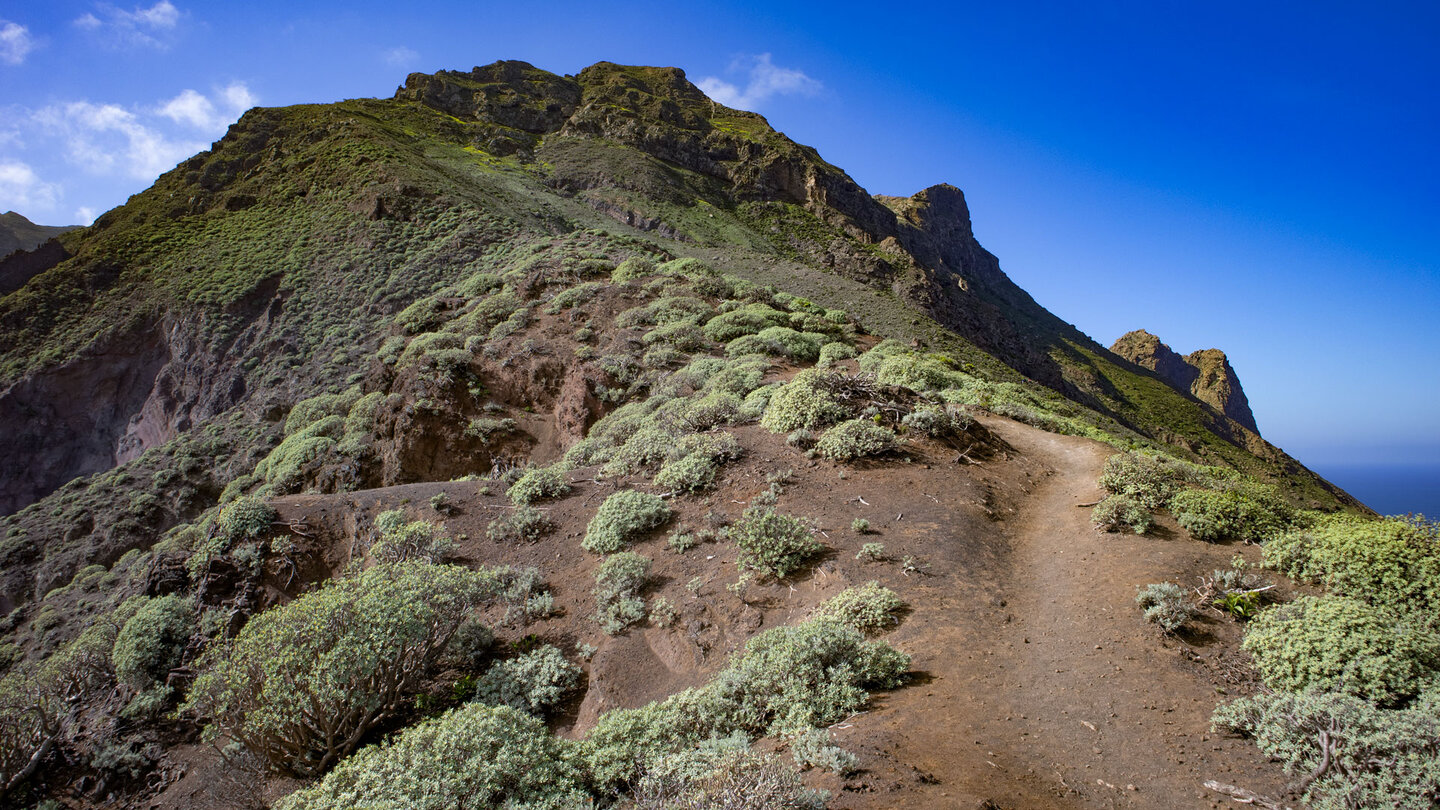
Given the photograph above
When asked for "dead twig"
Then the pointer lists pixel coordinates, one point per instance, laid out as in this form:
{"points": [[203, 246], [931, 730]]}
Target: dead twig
{"points": [[1243, 796]]}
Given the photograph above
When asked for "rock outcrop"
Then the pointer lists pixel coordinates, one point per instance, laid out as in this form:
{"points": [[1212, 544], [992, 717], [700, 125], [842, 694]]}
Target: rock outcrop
{"points": [[1204, 374]]}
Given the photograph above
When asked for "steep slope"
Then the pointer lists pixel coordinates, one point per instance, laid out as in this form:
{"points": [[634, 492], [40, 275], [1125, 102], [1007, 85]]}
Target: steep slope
{"points": [[392, 310], [1205, 374]]}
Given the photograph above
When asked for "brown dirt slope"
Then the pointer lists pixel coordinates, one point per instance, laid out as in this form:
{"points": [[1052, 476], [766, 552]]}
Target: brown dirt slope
{"points": [[1053, 693]]}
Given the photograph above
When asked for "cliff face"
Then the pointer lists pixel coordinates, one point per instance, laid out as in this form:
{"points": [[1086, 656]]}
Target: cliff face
{"points": [[1204, 374]]}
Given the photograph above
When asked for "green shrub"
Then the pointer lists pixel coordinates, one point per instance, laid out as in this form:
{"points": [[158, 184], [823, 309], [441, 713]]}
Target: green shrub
{"points": [[476, 756], [1252, 514], [1340, 644], [693, 473], [538, 484], [832, 353], [747, 320], [1118, 512], [787, 679], [772, 543], [855, 438], [246, 518], [486, 428], [621, 518], [1350, 753], [533, 683], [632, 268], [860, 526], [814, 748], [868, 608], [871, 552], [1144, 478], [802, 403], [302, 682], [1392, 562], [618, 582], [1165, 604], [413, 540], [683, 335], [152, 642], [523, 524]]}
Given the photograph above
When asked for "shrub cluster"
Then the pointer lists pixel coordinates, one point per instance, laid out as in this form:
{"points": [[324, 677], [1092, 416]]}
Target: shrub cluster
{"points": [[621, 518], [1166, 605], [1339, 644], [402, 540], [869, 608], [787, 680], [523, 524], [537, 484], [1119, 512], [772, 543], [152, 642], [855, 438], [1393, 562], [1252, 513], [476, 756], [302, 682], [803, 402], [534, 682], [1350, 753], [618, 582]]}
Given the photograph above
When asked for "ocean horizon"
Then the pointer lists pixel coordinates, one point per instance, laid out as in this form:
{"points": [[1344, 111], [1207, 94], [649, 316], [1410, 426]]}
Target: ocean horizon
{"points": [[1390, 489]]}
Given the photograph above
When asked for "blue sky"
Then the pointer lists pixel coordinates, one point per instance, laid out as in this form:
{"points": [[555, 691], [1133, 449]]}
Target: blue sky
{"points": [[1258, 177]]}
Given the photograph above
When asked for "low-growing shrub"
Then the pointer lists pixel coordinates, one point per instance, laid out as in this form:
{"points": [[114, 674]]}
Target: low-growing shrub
{"points": [[855, 438], [476, 756], [1252, 514], [153, 640], [523, 524], [618, 582], [1166, 605], [245, 518], [622, 517], [832, 353], [1118, 512], [802, 403], [533, 683], [413, 540], [1144, 478], [814, 748], [1349, 753], [1394, 562], [860, 526], [734, 780], [302, 682], [538, 484], [1340, 644], [871, 552], [772, 543], [868, 608], [787, 680], [693, 473]]}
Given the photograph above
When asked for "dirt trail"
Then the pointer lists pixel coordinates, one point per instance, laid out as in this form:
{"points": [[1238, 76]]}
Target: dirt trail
{"points": [[1056, 694]]}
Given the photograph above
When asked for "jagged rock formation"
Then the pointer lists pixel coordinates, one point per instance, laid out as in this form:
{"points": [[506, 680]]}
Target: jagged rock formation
{"points": [[1205, 374]]}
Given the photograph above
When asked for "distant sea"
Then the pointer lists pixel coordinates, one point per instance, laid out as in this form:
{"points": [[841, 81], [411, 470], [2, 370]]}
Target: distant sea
{"points": [[1390, 489]]}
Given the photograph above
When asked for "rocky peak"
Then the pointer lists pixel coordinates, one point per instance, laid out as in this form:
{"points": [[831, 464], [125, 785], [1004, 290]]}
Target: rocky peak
{"points": [[1205, 374]]}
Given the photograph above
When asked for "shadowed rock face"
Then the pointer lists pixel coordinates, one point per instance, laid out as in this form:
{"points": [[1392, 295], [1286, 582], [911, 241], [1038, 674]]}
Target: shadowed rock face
{"points": [[1205, 374]]}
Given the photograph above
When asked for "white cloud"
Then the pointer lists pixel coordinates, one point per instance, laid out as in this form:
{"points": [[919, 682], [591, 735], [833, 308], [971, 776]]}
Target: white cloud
{"points": [[199, 112], [84, 215], [21, 188], [15, 43], [109, 139], [400, 57], [765, 80], [151, 27]]}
